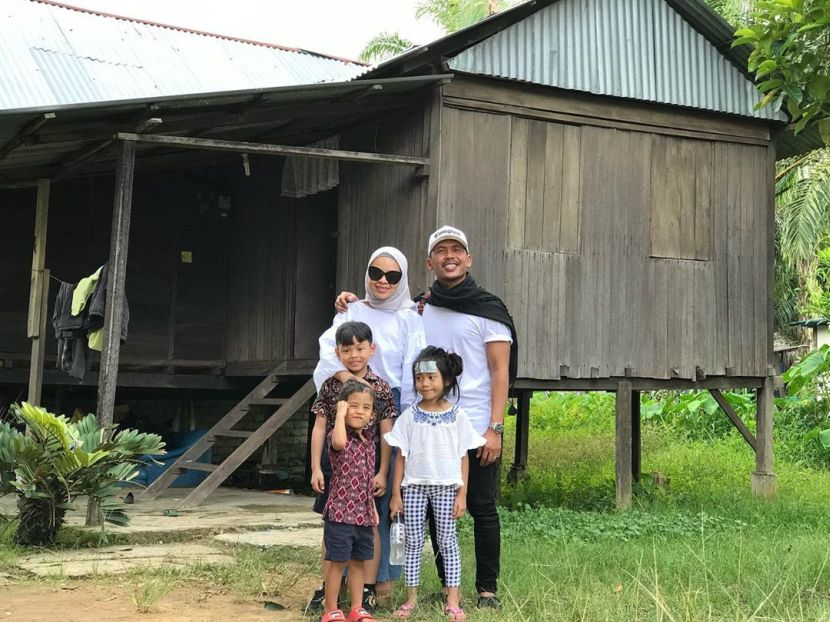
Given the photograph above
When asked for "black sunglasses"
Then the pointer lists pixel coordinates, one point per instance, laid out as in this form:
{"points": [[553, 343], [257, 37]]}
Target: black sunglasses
{"points": [[393, 277]]}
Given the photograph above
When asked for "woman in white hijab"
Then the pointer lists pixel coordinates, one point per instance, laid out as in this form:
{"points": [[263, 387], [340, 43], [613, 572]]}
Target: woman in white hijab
{"points": [[398, 335]]}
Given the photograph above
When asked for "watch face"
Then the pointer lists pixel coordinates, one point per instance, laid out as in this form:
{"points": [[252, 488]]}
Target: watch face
{"points": [[497, 427]]}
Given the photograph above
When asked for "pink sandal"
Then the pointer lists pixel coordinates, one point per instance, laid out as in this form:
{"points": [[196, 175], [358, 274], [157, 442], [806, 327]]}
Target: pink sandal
{"points": [[455, 614], [403, 612]]}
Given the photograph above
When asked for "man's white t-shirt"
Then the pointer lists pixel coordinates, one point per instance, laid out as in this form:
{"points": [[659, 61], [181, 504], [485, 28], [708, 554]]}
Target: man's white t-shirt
{"points": [[467, 336], [398, 337]]}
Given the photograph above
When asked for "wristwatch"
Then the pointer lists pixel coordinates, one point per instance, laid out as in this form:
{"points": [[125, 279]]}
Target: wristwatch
{"points": [[498, 428]]}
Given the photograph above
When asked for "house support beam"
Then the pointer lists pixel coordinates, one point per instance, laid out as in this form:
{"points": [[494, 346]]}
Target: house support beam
{"points": [[116, 271], [636, 438], [26, 134], [623, 444], [113, 310], [38, 295], [274, 150], [763, 477], [519, 465], [726, 407]]}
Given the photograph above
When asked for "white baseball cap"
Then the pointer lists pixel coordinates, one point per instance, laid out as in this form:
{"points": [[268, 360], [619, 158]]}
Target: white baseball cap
{"points": [[447, 233]]}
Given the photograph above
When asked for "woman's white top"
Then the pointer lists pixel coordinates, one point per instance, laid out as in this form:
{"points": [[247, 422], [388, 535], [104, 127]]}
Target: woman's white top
{"points": [[433, 444], [398, 337]]}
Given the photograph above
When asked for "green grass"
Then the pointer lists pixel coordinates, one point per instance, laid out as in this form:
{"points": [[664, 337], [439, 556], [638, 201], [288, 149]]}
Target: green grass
{"points": [[702, 548]]}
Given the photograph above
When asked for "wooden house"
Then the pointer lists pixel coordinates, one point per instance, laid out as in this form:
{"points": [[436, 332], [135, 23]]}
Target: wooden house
{"points": [[605, 160]]}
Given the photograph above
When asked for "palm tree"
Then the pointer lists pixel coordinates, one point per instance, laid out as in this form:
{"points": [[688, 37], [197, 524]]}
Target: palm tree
{"points": [[802, 205], [450, 15], [384, 46]]}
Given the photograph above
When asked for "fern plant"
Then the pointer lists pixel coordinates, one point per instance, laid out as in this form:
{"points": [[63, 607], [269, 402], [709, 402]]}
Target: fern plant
{"points": [[57, 461]]}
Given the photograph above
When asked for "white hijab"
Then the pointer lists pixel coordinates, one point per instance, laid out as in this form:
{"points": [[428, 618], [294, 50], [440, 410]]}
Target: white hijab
{"points": [[400, 298]]}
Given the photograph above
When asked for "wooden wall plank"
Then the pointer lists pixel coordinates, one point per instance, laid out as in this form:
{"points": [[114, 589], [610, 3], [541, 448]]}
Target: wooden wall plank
{"points": [[535, 201], [569, 220], [552, 196], [517, 192]]}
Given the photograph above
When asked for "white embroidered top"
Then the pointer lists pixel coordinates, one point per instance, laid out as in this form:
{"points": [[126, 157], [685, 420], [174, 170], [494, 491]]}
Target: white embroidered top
{"points": [[398, 337], [433, 444]]}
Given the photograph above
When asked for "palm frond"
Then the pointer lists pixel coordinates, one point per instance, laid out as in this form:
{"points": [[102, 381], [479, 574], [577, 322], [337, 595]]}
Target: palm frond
{"points": [[384, 46], [803, 204]]}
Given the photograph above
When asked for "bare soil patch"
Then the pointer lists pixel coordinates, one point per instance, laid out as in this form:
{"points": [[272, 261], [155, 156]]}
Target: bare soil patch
{"points": [[83, 601]]}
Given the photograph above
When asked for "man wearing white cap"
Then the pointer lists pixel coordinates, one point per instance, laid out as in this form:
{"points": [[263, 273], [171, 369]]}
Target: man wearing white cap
{"points": [[461, 317]]}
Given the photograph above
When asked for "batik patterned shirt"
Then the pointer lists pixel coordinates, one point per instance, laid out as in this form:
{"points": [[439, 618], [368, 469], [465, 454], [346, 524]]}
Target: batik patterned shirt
{"points": [[350, 490], [326, 403]]}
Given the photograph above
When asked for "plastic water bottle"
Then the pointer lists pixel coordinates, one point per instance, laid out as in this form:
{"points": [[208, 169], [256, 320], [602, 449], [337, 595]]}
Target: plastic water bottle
{"points": [[397, 538]]}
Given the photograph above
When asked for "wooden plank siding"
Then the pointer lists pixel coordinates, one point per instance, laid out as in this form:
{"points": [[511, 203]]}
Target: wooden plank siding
{"points": [[620, 251], [384, 205]]}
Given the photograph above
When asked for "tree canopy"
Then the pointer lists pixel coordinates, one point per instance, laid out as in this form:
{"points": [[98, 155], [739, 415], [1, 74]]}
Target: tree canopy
{"points": [[791, 51]]}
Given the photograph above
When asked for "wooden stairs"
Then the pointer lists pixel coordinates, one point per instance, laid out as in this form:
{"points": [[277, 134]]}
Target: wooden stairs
{"points": [[282, 409]]}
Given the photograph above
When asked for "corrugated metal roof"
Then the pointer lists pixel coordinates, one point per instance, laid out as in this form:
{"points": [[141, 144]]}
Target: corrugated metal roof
{"points": [[54, 55], [638, 49]]}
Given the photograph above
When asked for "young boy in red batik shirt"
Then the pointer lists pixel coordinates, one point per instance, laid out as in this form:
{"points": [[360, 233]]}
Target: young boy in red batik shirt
{"points": [[350, 515]]}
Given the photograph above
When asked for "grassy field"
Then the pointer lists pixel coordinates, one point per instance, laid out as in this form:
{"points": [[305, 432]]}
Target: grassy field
{"points": [[701, 548]]}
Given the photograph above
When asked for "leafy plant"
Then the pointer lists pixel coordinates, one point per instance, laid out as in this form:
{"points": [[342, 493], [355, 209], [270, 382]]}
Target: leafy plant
{"points": [[696, 414], [789, 58], [58, 461]]}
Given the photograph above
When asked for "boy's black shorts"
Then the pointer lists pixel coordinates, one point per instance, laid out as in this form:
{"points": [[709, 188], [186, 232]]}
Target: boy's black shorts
{"points": [[346, 542]]}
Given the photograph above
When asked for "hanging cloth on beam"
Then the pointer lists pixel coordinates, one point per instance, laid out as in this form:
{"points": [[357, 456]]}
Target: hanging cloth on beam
{"points": [[303, 176], [78, 321]]}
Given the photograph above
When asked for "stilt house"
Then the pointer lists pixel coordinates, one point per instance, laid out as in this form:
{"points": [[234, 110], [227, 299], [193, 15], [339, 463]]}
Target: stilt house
{"points": [[605, 159]]}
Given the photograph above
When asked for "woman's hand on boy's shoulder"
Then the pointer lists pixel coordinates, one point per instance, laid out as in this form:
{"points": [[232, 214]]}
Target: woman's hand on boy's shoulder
{"points": [[341, 303]]}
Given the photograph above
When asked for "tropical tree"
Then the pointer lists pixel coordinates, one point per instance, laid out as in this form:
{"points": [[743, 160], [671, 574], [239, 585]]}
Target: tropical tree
{"points": [[383, 46], [450, 15], [791, 51]]}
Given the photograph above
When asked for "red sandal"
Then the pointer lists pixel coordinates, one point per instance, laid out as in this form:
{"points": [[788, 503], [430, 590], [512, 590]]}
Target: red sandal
{"points": [[359, 613], [333, 616]]}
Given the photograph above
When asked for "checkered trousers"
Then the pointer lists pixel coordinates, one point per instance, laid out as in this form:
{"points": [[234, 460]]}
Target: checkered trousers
{"points": [[415, 499]]}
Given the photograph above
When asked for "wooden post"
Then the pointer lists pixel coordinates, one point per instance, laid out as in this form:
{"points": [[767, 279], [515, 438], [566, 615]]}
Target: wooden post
{"points": [[38, 294], [522, 433], [636, 439], [623, 445], [116, 270], [763, 478], [39, 346]]}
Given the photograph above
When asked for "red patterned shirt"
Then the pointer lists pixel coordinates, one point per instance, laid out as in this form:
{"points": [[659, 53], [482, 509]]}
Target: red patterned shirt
{"points": [[350, 489], [326, 403]]}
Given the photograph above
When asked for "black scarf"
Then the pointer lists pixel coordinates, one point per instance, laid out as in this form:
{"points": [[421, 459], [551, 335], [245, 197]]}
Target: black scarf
{"points": [[468, 298]]}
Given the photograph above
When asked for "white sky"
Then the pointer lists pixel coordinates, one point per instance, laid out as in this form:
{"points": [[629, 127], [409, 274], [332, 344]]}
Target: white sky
{"points": [[336, 27]]}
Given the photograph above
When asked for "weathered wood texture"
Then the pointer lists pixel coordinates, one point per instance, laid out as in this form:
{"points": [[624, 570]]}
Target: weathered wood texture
{"points": [[621, 250], [384, 205], [205, 290], [623, 453], [116, 273]]}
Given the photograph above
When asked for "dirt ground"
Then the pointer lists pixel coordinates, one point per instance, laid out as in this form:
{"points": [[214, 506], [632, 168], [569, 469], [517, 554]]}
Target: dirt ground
{"points": [[83, 601]]}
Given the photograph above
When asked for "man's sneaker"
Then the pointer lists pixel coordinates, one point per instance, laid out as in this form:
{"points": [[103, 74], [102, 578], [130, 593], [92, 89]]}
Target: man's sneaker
{"points": [[488, 602], [370, 600], [315, 605]]}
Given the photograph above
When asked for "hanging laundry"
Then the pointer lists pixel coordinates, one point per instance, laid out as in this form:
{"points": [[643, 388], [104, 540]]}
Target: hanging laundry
{"points": [[78, 319]]}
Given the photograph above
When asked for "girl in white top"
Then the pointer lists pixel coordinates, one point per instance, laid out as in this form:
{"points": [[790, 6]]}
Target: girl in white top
{"points": [[433, 437], [398, 335]]}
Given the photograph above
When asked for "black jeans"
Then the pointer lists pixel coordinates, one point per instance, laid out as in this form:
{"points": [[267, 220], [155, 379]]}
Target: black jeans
{"points": [[481, 503]]}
